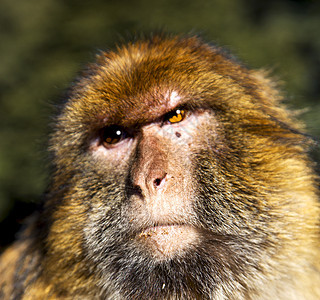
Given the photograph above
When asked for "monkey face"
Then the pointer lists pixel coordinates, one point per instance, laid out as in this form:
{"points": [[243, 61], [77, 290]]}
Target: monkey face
{"points": [[169, 173]]}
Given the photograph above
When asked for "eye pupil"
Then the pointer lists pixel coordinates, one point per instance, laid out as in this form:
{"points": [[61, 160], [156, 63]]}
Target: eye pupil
{"points": [[112, 135]]}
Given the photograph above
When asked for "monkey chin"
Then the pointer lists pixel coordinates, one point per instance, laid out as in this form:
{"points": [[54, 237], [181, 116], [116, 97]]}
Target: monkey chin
{"points": [[166, 241]]}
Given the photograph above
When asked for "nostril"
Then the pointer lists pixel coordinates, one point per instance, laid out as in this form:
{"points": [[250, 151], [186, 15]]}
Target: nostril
{"points": [[158, 181]]}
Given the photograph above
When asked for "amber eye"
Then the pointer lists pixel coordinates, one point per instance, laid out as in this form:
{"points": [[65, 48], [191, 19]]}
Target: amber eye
{"points": [[113, 135], [176, 116]]}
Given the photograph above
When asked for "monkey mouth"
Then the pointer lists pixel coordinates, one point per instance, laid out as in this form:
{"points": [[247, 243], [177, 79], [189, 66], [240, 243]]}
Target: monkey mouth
{"points": [[167, 240]]}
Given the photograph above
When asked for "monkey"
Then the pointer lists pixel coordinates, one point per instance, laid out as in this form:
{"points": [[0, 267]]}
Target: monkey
{"points": [[177, 173]]}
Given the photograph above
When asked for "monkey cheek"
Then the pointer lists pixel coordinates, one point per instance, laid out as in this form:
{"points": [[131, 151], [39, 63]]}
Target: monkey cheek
{"points": [[166, 241]]}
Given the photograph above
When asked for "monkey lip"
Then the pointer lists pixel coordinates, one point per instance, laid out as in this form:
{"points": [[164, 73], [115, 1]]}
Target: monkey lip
{"points": [[168, 240]]}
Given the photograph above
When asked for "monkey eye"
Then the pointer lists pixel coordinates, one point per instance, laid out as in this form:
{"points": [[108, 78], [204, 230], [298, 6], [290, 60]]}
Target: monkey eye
{"points": [[112, 135], [175, 116]]}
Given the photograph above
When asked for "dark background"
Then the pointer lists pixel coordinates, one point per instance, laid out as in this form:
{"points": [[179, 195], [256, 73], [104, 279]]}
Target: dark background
{"points": [[43, 43]]}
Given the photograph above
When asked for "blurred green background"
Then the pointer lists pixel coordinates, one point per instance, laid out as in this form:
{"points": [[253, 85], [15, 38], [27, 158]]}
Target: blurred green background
{"points": [[43, 43]]}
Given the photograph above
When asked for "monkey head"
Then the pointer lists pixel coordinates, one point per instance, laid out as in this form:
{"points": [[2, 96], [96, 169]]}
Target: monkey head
{"points": [[177, 173]]}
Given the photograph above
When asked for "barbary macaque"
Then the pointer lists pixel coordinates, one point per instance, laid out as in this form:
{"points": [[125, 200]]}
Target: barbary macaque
{"points": [[177, 173]]}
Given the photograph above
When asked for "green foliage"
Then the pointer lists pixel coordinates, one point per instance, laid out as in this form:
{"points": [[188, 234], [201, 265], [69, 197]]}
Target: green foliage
{"points": [[44, 43]]}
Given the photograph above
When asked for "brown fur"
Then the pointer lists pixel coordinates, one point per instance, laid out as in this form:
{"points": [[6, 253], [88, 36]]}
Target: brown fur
{"points": [[240, 177]]}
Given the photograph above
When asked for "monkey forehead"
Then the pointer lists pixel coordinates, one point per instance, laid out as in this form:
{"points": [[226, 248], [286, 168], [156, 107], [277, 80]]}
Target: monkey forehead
{"points": [[130, 111], [144, 80]]}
